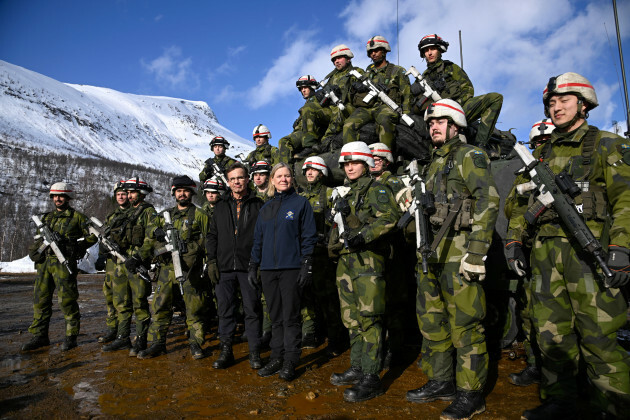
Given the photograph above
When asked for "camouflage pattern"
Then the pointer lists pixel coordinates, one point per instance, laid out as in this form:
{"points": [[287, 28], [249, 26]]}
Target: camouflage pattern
{"points": [[343, 80], [486, 108], [308, 129], [265, 152], [392, 181], [579, 316], [208, 209], [398, 89], [223, 162], [360, 272], [111, 320], [196, 291], [70, 225]]}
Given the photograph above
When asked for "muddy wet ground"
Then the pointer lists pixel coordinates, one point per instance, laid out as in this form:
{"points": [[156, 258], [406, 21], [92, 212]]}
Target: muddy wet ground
{"points": [[87, 383]]}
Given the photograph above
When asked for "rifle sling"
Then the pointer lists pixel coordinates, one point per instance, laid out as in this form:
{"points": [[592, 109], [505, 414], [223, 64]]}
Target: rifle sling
{"points": [[447, 223]]}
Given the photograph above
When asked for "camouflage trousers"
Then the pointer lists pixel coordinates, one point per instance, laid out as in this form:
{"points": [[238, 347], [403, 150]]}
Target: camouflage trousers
{"points": [[314, 121], [361, 287], [266, 319], [308, 311], [111, 320], [130, 295], [486, 108], [338, 119], [382, 115], [576, 318], [50, 275], [450, 310], [195, 299]]}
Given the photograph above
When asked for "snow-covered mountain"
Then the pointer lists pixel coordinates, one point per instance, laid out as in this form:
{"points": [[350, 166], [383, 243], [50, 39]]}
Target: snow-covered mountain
{"points": [[38, 113]]}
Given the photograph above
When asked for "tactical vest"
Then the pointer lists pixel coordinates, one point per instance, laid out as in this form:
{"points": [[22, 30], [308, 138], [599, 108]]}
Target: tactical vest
{"points": [[135, 231], [393, 91]]}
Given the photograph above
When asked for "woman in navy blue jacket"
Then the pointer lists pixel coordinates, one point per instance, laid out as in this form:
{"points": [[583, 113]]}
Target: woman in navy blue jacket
{"points": [[284, 240]]}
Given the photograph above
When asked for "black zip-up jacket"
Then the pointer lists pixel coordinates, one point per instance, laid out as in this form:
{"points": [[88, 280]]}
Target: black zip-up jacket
{"points": [[229, 242]]}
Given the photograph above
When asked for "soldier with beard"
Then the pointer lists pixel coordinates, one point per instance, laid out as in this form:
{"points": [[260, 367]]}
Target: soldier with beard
{"points": [[218, 145]]}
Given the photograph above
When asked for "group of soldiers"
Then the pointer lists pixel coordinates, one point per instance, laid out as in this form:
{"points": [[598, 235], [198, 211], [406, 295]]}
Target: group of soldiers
{"points": [[434, 223]]}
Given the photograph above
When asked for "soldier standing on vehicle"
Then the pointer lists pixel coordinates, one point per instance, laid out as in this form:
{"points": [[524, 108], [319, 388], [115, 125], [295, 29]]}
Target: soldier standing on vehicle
{"points": [[218, 145], [187, 233], [451, 82], [264, 151], [69, 231], [575, 315], [260, 177], [451, 301], [392, 80], [365, 212], [310, 125]]}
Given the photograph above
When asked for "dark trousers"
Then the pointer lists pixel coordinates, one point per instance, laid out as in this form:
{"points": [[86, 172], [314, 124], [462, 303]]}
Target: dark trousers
{"points": [[283, 301], [226, 307]]}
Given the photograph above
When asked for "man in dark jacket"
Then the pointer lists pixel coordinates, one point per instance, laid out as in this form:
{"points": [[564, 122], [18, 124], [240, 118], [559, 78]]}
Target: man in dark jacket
{"points": [[232, 226]]}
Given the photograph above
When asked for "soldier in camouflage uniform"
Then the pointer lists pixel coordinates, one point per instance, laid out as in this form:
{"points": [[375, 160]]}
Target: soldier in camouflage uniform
{"points": [[260, 178], [321, 298], [213, 188], [264, 151], [575, 316], [368, 210], [218, 145], [450, 301], [451, 82], [117, 218], [192, 225], [392, 80], [69, 225], [309, 127]]}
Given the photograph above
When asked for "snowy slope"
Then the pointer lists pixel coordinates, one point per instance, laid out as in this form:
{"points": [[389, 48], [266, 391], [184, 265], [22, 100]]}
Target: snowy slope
{"points": [[40, 113]]}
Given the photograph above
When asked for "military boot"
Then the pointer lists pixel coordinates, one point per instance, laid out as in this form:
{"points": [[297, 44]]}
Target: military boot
{"points": [[271, 368], [433, 390], [226, 357], [368, 387], [108, 336], [465, 406], [119, 343], [309, 341], [36, 342], [306, 152], [552, 409], [255, 362], [69, 343], [139, 345], [351, 376], [528, 376], [155, 350], [196, 351], [288, 371]]}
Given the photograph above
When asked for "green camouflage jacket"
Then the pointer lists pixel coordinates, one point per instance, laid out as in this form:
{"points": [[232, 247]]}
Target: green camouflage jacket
{"points": [[605, 199], [343, 80], [265, 152], [450, 81], [223, 162], [319, 196], [460, 170], [392, 181], [116, 228], [398, 87], [208, 209]]}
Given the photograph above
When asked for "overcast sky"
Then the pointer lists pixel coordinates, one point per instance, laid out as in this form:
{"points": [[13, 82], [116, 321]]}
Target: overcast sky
{"points": [[243, 58]]}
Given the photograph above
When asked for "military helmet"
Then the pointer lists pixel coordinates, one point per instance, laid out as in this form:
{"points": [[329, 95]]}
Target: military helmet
{"points": [[381, 150], [432, 40], [446, 108], [62, 188], [306, 80], [135, 184], [214, 184], [183, 181], [119, 185], [570, 83], [541, 128], [260, 167], [340, 50], [377, 42], [219, 140], [261, 130], [356, 150], [315, 162]]}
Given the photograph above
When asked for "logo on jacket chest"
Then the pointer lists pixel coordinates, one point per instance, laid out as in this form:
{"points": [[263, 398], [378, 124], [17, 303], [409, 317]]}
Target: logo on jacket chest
{"points": [[289, 215]]}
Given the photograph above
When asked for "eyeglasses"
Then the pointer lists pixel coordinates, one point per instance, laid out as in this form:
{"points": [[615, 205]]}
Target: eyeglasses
{"points": [[236, 178]]}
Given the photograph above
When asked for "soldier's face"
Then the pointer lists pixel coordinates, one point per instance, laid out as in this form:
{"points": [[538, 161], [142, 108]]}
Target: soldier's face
{"points": [[61, 202], [341, 63], [306, 92], [238, 180], [378, 55], [431, 54], [379, 164], [354, 169], [562, 109], [218, 149], [282, 179], [134, 197], [440, 131], [183, 196], [312, 174], [122, 198], [212, 196], [260, 140], [538, 140], [260, 179]]}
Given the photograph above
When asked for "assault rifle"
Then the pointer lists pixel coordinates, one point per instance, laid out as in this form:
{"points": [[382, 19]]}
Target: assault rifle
{"points": [[176, 247], [338, 217], [374, 91], [427, 90], [329, 94], [113, 248], [51, 239], [557, 191], [218, 172]]}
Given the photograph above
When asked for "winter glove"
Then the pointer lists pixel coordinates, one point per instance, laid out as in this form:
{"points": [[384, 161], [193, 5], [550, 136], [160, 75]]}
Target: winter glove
{"points": [[382, 87], [100, 263], [213, 272], [619, 264], [473, 266], [305, 278], [252, 276], [355, 241], [515, 258], [132, 264], [417, 89], [342, 206], [320, 95], [359, 87], [160, 235]]}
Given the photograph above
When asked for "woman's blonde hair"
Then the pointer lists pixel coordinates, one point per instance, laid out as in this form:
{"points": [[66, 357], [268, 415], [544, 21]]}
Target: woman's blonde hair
{"points": [[271, 190]]}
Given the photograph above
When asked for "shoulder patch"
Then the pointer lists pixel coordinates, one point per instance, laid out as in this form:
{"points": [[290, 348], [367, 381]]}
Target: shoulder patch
{"points": [[625, 153], [480, 161], [382, 197]]}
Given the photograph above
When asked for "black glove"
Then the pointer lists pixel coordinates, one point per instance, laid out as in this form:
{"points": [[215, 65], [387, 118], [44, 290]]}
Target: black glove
{"points": [[359, 87], [100, 263], [619, 264], [160, 235], [342, 206], [320, 95], [515, 258], [213, 272], [417, 89], [305, 278], [382, 87], [252, 276], [132, 264], [336, 90], [355, 241]]}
